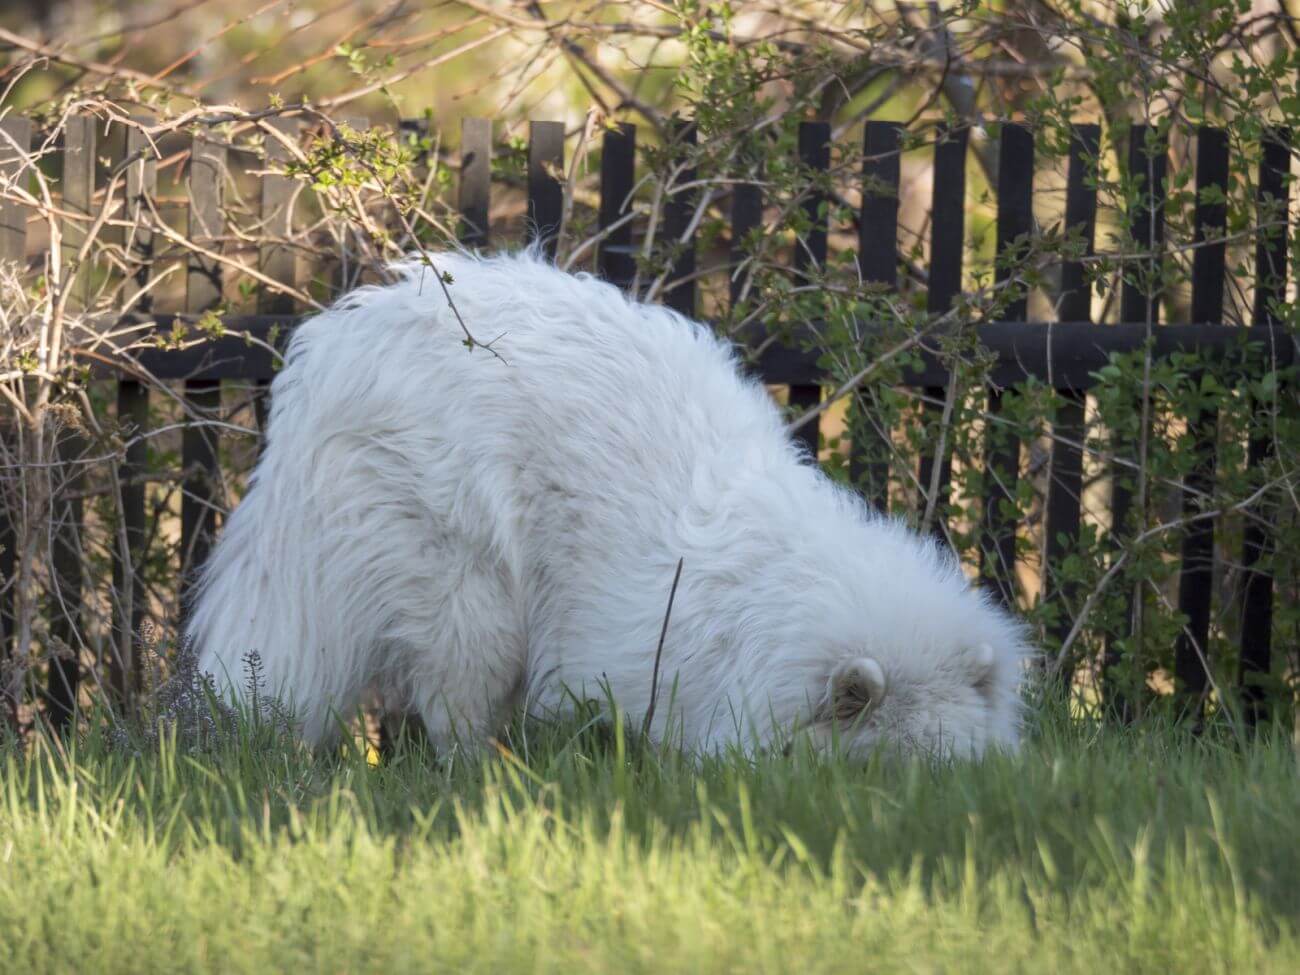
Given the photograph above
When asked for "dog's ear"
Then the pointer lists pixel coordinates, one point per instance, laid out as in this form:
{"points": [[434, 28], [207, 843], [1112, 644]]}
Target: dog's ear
{"points": [[853, 690]]}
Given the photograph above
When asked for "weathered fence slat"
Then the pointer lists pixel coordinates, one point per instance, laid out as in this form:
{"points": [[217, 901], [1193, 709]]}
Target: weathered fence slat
{"points": [[878, 264], [129, 548], [678, 234], [1015, 194], [810, 254], [202, 396], [15, 139], [1257, 542], [64, 676], [141, 187], [475, 189], [878, 229], [815, 156], [1147, 165], [207, 169], [545, 186], [340, 272], [947, 234], [616, 257], [278, 259], [79, 152], [1196, 579], [133, 418], [1065, 471]]}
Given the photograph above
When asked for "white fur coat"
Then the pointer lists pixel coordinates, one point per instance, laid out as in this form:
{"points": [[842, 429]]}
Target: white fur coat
{"points": [[466, 533]]}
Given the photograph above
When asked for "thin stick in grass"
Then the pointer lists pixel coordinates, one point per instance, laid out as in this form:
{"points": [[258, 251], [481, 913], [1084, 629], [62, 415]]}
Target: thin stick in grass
{"points": [[659, 652]]}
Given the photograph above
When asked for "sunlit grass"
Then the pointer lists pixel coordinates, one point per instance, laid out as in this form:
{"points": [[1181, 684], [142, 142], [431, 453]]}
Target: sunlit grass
{"points": [[576, 849]]}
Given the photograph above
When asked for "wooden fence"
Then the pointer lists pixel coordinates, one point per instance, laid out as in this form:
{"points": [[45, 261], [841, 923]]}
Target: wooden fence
{"points": [[1066, 354]]}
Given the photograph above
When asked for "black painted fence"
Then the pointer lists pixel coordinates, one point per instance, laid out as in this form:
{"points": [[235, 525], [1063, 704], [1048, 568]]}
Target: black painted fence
{"points": [[1066, 353]]}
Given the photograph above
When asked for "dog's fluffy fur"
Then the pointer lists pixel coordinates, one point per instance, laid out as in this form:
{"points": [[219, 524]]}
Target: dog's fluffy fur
{"points": [[465, 532]]}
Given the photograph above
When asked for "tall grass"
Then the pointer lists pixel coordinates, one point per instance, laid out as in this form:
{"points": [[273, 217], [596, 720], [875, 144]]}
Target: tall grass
{"points": [[573, 848]]}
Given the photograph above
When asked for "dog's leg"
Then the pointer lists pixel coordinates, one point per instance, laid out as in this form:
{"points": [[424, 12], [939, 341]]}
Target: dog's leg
{"points": [[466, 680]]}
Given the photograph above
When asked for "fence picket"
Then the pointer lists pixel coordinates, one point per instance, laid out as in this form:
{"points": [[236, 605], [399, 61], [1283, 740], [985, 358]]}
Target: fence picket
{"points": [[1148, 164], [475, 190], [1074, 304], [616, 257], [1196, 579], [15, 139], [545, 189], [1140, 294], [278, 259], [1015, 224], [340, 272], [878, 264], [947, 232], [810, 254], [202, 396], [1257, 541], [679, 211], [64, 676], [133, 417], [746, 217]]}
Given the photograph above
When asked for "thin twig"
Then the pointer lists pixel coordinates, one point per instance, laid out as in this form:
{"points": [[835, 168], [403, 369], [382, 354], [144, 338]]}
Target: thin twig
{"points": [[659, 652]]}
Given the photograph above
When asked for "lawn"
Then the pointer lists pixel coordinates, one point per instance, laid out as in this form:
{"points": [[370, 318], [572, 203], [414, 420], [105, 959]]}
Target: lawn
{"points": [[1094, 850]]}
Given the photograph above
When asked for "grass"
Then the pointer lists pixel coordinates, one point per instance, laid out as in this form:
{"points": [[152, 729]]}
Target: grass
{"points": [[1095, 850]]}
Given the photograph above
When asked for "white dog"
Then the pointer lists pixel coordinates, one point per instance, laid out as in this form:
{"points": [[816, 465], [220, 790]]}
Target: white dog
{"points": [[467, 532]]}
